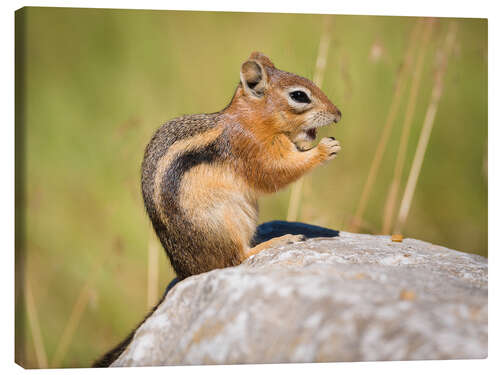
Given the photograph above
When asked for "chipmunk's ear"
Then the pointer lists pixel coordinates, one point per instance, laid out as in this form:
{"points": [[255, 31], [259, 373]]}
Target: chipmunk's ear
{"points": [[253, 78], [263, 59]]}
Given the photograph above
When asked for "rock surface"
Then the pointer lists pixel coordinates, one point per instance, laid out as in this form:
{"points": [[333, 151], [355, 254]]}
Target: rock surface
{"points": [[335, 297]]}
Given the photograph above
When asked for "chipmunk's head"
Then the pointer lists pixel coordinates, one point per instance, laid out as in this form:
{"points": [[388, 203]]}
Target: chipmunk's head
{"points": [[290, 104]]}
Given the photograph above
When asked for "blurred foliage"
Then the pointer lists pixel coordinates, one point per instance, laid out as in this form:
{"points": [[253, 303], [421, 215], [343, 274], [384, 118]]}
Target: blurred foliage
{"points": [[99, 82]]}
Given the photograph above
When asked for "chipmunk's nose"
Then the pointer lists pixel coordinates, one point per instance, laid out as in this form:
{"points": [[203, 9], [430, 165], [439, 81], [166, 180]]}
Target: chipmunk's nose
{"points": [[332, 108]]}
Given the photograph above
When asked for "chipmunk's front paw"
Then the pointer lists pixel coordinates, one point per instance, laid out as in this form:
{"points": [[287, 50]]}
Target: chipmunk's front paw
{"points": [[329, 147]]}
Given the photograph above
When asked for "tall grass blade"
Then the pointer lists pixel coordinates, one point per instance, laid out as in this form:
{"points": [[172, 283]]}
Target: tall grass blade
{"points": [[386, 132], [408, 119], [425, 134], [71, 326], [77, 313], [41, 355]]}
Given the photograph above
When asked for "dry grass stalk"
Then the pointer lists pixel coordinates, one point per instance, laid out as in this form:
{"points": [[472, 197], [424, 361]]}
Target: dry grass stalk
{"points": [[364, 225], [77, 313], [423, 141], [153, 270], [324, 44], [405, 135], [319, 73], [293, 205], [382, 145], [69, 330], [41, 355]]}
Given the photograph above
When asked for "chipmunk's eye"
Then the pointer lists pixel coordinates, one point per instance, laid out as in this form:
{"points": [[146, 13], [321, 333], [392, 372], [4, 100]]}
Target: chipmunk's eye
{"points": [[300, 96]]}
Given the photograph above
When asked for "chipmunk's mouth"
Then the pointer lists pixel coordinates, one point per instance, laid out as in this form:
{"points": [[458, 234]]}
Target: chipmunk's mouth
{"points": [[311, 134], [304, 140]]}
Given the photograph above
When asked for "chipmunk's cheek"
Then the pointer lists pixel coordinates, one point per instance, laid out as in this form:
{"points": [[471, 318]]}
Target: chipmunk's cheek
{"points": [[286, 122]]}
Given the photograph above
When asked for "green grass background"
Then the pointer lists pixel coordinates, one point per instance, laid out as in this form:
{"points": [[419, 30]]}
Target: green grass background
{"points": [[97, 83]]}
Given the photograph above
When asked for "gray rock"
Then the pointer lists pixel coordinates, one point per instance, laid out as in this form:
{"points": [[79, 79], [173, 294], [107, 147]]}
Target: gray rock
{"points": [[335, 297]]}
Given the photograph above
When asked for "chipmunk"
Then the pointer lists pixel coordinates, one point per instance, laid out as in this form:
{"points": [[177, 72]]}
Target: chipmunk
{"points": [[202, 174]]}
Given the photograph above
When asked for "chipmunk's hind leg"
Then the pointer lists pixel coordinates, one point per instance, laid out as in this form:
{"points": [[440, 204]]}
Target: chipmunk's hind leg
{"points": [[274, 242]]}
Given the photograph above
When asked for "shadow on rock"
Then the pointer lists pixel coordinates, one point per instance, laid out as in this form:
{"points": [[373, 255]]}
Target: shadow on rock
{"points": [[279, 228]]}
